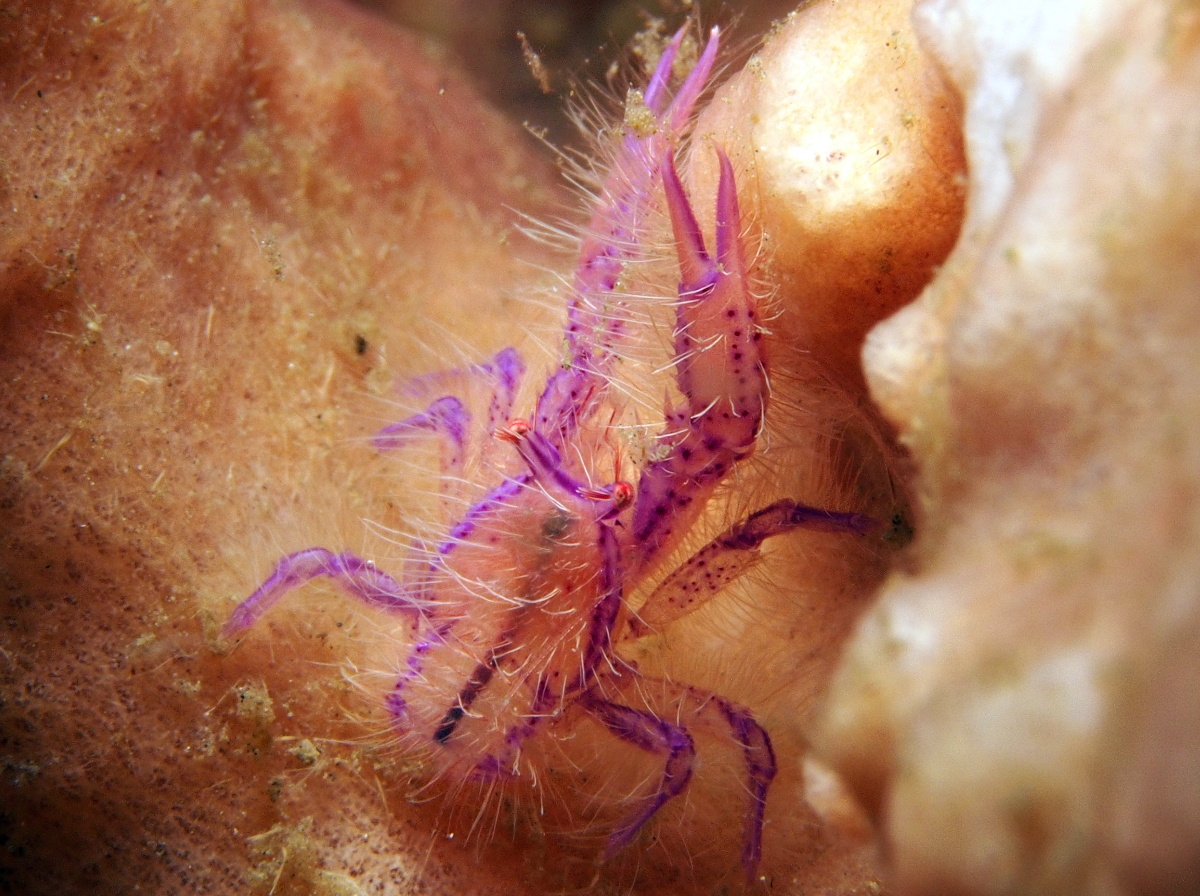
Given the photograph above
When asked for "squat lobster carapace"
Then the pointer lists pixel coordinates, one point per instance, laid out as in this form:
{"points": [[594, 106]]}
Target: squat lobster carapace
{"points": [[514, 618]]}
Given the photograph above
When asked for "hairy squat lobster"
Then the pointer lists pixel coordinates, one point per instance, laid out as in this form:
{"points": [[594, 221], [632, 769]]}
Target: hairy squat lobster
{"points": [[515, 616]]}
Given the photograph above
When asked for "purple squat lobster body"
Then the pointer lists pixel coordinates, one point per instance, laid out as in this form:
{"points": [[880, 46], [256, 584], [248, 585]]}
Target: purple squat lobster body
{"points": [[514, 616]]}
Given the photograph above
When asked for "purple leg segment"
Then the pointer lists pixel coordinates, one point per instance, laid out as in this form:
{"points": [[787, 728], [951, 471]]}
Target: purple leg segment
{"points": [[359, 577], [396, 701], [505, 372], [760, 768], [654, 735], [493, 502], [604, 616], [716, 716], [477, 682], [445, 417], [732, 553], [448, 417]]}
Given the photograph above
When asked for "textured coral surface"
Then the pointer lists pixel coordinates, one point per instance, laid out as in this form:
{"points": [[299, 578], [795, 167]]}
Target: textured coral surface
{"points": [[1021, 705]]}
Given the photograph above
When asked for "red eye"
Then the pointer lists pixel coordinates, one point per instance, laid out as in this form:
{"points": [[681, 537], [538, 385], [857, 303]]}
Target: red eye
{"points": [[518, 427], [622, 493]]}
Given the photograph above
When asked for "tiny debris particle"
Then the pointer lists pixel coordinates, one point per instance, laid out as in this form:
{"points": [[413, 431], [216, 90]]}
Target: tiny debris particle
{"points": [[536, 67], [253, 702], [639, 121], [646, 46], [306, 752]]}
